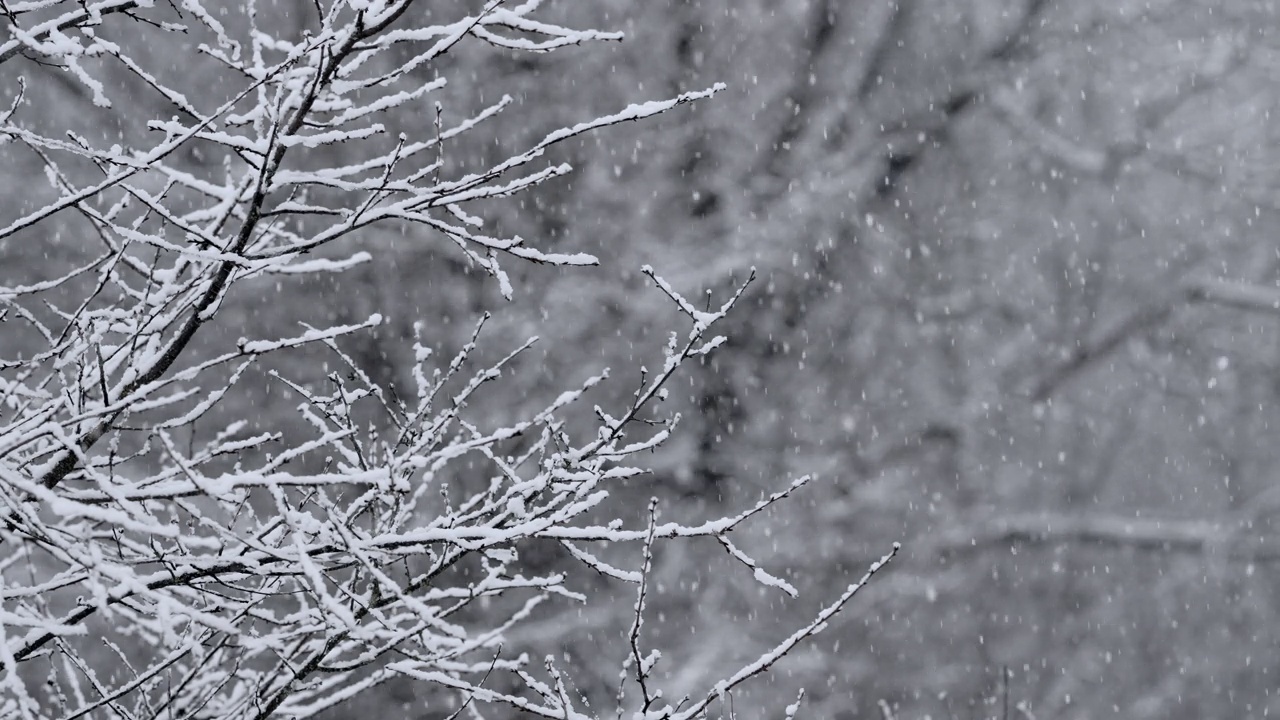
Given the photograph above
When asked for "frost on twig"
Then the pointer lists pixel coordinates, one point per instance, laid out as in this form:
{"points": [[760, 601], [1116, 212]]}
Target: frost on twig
{"points": [[152, 570]]}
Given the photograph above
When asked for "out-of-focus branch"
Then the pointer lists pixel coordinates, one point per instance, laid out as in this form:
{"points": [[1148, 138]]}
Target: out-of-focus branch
{"points": [[1224, 537], [1184, 536], [1136, 323], [1082, 159], [1236, 295], [1222, 57], [1226, 293]]}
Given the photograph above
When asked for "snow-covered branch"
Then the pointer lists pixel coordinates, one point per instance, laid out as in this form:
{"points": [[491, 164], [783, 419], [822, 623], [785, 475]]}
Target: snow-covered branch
{"points": [[241, 572]]}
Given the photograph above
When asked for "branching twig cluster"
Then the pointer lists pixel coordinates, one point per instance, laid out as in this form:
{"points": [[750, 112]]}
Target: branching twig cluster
{"points": [[148, 572]]}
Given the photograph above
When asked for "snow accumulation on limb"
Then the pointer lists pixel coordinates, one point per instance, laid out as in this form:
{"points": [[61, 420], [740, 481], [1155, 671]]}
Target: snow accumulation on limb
{"points": [[238, 571], [765, 661]]}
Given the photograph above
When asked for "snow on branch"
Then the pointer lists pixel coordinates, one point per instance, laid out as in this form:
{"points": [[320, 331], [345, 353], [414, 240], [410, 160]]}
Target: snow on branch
{"points": [[154, 564], [765, 661]]}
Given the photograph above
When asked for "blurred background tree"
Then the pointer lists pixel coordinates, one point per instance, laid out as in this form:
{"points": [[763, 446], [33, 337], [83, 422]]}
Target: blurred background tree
{"points": [[1019, 310]]}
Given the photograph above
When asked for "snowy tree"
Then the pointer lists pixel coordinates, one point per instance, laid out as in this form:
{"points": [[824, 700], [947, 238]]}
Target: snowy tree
{"points": [[153, 567]]}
